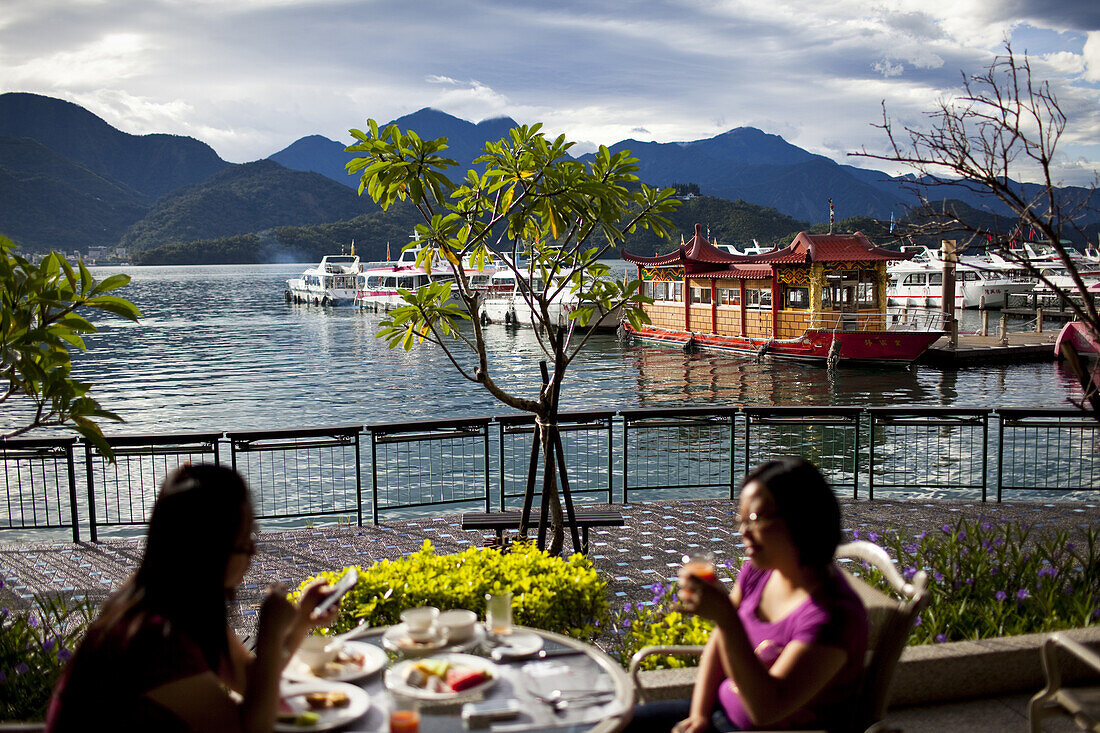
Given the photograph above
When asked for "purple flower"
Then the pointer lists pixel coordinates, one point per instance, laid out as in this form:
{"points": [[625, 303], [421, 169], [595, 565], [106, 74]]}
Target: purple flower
{"points": [[970, 582], [47, 645], [993, 570], [922, 535], [911, 549], [626, 623], [941, 638], [658, 589], [962, 534], [1047, 572], [64, 655], [22, 668], [627, 608], [1022, 594], [1, 582], [2, 676], [1096, 613], [999, 541], [4, 612], [1000, 595], [33, 620], [1070, 547], [946, 529], [909, 572], [873, 536], [986, 526], [855, 534], [938, 576], [917, 621]]}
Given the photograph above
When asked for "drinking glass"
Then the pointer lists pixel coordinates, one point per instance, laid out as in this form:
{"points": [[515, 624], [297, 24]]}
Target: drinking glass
{"points": [[404, 714], [699, 565], [498, 613]]}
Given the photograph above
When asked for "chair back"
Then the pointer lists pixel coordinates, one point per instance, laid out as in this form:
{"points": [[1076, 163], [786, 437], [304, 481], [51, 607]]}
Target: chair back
{"points": [[889, 622]]}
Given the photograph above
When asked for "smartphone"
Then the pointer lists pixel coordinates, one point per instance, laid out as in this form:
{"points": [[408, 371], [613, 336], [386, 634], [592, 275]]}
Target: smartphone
{"points": [[480, 714], [345, 584]]}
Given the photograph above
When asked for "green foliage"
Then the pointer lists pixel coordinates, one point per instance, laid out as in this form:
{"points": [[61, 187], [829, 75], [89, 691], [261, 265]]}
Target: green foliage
{"points": [[35, 645], [991, 578], [40, 320], [562, 595]]}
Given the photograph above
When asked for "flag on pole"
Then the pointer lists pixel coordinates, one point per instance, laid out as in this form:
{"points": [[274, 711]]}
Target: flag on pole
{"points": [[830, 216], [387, 251], [891, 222], [353, 248]]}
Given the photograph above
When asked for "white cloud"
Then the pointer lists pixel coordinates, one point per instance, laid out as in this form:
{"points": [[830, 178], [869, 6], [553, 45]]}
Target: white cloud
{"points": [[888, 69]]}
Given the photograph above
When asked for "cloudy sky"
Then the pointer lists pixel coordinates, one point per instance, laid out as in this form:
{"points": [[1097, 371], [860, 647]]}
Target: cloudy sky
{"points": [[249, 77]]}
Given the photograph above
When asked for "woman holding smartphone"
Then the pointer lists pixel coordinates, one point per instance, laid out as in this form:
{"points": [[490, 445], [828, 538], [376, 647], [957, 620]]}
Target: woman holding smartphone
{"points": [[161, 655], [789, 641]]}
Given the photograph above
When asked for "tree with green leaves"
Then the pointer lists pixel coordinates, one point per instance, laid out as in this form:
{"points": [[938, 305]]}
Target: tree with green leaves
{"points": [[552, 217], [41, 317]]}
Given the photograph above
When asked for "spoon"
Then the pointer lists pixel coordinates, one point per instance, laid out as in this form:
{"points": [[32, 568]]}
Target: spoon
{"points": [[339, 639], [560, 699]]}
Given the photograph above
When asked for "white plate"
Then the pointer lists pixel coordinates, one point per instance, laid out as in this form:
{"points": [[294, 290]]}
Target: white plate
{"points": [[395, 678], [396, 639], [374, 659], [293, 693], [517, 645]]}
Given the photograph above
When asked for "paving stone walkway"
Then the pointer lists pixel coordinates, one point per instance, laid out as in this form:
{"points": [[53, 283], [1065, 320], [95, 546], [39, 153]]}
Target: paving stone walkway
{"points": [[645, 551]]}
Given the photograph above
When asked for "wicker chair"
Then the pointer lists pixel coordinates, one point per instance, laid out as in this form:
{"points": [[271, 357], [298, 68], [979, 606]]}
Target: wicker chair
{"points": [[889, 621], [1080, 703]]}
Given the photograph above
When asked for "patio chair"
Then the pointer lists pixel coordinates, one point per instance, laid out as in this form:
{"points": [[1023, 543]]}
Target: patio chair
{"points": [[1080, 703], [889, 622]]}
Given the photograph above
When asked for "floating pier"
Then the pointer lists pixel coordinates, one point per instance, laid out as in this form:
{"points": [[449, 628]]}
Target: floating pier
{"points": [[1016, 348]]}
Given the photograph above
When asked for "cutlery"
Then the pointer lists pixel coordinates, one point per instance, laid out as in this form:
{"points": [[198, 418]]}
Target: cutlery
{"points": [[339, 639], [501, 654]]}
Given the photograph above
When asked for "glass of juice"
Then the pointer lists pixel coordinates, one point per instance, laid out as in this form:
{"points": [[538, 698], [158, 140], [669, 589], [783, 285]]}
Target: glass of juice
{"points": [[498, 613], [404, 715], [701, 566]]}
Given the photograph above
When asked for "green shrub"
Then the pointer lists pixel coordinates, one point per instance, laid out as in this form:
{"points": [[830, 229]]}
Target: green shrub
{"points": [[35, 645], [996, 578], [563, 595]]}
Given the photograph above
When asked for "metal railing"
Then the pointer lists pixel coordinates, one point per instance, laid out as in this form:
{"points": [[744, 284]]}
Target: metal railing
{"points": [[297, 475]]}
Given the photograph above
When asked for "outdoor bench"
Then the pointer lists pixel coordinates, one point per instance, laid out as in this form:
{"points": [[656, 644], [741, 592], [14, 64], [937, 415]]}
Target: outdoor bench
{"points": [[500, 521]]}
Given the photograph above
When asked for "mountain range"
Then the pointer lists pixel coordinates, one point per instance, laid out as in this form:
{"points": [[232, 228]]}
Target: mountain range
{"points": [[69, 180]]}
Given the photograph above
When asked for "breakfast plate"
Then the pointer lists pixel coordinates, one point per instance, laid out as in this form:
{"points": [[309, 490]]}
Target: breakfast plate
{"points": [[355, 660], [516, 645], [477, 674], [333, 703]]}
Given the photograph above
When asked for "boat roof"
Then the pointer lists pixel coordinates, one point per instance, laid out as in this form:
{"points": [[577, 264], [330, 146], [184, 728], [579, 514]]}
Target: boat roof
{"points": [[697, 255]]}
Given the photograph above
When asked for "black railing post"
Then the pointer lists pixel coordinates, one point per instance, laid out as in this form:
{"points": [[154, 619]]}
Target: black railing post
{"points": [[626, 452], [358, 482], [733, 456], [855, 459], [871, 459], [374, 476], [485, 458], [1000, 455], [500, 463], [91, 492], [70, 464], [985, 455], [610, 459]]}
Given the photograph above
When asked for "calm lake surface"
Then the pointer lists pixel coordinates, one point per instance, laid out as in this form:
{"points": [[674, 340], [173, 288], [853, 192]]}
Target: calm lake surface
{"points": [[218, 348]]}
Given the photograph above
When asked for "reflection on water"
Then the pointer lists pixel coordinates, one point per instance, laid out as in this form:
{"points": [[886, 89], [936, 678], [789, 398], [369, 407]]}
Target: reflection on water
{"points": [[219, 349]]}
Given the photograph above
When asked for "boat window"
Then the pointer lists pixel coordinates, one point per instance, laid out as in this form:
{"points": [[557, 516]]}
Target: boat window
{"points": [[915, 278], [970, 276], [759, 297], [865, 293], [677, 292], [729, 296], [390, 282], [935, 279], [796, 297], [700, 295]]}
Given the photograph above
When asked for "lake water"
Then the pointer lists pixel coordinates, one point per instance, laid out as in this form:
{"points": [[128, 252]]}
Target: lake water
{"points": [[218, 348]]}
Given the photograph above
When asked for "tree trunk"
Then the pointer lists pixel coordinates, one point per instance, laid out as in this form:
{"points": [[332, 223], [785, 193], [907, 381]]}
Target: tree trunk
{"points": [[551, 501]]}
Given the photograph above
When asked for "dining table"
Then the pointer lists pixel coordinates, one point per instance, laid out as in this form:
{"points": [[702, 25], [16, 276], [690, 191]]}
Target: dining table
{"points": [[565, 686]]}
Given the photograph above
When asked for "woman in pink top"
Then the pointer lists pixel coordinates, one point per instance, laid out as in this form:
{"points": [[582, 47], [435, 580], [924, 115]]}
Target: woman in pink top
{"points": [[789, 641]]}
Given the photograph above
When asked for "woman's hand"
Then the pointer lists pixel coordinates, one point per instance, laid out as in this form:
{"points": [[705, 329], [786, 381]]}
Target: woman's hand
{"points": [[709, 600], [692, 724], [309, 601]]}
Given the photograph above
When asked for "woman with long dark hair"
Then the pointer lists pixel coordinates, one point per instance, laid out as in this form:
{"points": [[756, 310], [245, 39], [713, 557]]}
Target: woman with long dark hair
{"points": [[161, 655], [788, 642]]}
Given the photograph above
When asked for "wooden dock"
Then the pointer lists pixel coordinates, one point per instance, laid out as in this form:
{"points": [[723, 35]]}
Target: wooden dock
{"points": [[1022, 347]]}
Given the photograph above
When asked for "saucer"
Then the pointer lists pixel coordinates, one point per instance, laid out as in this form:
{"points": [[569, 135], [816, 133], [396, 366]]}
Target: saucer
{"points": [[396, 639]]}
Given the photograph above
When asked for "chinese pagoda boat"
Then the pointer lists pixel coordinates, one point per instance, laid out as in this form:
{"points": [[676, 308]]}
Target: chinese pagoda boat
{"points": [[821, 298]]}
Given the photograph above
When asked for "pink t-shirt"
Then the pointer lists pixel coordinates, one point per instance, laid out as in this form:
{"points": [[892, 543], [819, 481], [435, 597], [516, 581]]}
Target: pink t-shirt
{"points": [[833, 616]]}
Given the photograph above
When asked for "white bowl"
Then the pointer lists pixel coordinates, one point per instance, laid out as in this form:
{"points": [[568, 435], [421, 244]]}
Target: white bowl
{"points": [[312, 651], [457, 624], [420, 619]]}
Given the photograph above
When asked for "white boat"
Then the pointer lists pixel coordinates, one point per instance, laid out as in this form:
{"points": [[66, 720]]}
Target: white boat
{"points": [[505, 303], [920, 284], [332, 282], [379, 286]]}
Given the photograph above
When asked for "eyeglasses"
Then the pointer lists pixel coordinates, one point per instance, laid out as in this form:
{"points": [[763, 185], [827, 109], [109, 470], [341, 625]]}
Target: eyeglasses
{"points": [[753, 521], [248, 547]]}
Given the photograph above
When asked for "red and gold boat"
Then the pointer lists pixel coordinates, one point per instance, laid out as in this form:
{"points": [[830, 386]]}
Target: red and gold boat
{"points": [[823, 297]]}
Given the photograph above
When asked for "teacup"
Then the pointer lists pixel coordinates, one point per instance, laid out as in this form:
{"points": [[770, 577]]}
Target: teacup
{"points": [[420, 623], [312, 651], [457, 624]]}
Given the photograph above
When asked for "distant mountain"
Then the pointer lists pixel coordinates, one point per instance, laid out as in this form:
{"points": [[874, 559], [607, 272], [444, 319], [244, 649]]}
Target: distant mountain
{"points": [[152, 165], [317, 154], [50, 202], [466, 142], [242, 199]]}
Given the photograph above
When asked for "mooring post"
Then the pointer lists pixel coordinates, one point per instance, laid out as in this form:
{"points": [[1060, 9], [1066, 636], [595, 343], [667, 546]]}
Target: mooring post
{"points": [[985, 323], [1038, 320], [1004, 330]]}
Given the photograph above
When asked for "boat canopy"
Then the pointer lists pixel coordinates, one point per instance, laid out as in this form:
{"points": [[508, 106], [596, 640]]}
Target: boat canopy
{"points": [[698, 256]]}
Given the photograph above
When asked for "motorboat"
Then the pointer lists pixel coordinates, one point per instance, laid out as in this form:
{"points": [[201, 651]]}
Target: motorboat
{"points": [[506, 303], [379, 288], [920, 284], [821, 298], [332, 282]]}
